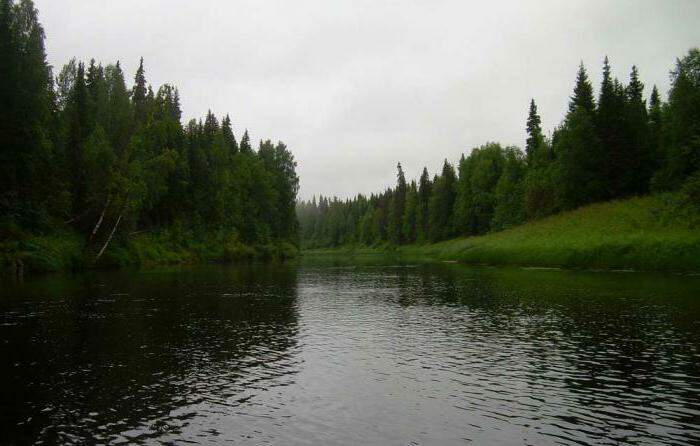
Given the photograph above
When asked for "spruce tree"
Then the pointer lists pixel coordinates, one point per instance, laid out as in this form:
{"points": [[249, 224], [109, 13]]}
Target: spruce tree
{"points": [[581, 157], [581, 161], [583, 92], [398, 203], [98, 96], [245, 143], [655, 126], [139, 94], [441, 207], [424, 191], [78, 132], [534, 132], [410, 214], [639, 150], [119, 109], [229, 138], [610, 125], [29, 184]]}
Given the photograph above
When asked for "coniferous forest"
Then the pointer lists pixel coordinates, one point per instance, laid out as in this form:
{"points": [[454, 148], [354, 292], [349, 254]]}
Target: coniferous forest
{"points": [[95, 165], [613, 145]]}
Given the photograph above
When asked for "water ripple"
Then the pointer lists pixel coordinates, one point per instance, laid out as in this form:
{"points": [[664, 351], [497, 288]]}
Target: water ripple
{"points": [[291, 355]]}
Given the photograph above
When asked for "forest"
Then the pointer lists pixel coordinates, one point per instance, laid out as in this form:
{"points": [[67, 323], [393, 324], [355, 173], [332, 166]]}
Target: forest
{"points": [[98, 170], [613, 146], [87, 158]]}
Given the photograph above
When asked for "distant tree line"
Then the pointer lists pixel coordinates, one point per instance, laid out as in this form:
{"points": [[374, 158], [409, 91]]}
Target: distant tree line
{"points": [[83, 150], [613, 147]]}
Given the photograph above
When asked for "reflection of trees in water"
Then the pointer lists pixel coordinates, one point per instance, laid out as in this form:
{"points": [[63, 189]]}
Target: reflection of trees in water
{"points": [[119, 352], [612, 347]]}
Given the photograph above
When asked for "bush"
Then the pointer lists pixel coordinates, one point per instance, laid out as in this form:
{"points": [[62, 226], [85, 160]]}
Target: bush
{"points": [[691, 190]]}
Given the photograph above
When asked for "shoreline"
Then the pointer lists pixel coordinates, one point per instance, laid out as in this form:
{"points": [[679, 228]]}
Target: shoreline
{"points": [[643, 234]]}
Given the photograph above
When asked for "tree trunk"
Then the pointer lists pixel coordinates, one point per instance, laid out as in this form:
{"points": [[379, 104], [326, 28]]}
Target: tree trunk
{"points": [[99, 222], [109, 239]]}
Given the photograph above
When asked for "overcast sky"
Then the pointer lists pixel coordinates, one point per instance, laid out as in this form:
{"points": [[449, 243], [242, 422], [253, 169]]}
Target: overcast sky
{"points": [[353, 87]]}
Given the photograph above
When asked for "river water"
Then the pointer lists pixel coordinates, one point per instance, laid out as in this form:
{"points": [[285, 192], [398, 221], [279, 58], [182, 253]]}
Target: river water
{"points": [[351, 353]]}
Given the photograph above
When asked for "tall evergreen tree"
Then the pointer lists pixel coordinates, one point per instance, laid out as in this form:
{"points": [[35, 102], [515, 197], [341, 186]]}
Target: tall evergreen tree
{"points": [[655, 126], [229, 138], [641, 162], [441, 206], [26, 107], [681, 133], [410, 214], [424, 192], [119, 109], [97, 96], [398, 204], [139, 94], [583, 92], [581, 156], [245, 143], [78, 116], [610, 125], [534, 132]]}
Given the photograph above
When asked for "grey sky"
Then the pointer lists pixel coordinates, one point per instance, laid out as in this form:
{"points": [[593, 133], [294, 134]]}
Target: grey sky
{"points": [[353, 87]]}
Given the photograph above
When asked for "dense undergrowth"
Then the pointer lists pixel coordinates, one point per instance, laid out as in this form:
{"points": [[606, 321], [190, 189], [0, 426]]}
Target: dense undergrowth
{"points": [[660, 232], [66, 250]]}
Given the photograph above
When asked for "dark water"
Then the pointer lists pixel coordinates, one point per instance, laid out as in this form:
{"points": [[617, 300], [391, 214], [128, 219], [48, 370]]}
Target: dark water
{"points": [[330, 354]]}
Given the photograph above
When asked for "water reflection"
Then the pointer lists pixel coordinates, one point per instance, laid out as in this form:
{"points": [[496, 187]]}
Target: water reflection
{"points": [[136, 356], [352, 353]]}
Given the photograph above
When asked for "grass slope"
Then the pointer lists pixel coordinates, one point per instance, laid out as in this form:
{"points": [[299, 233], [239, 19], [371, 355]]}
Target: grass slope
{"points": [[647, 233]]}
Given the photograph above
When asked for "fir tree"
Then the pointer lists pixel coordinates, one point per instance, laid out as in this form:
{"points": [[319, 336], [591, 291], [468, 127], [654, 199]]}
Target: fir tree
{"points": [[534, 132], [410, 214], [424, 192], [610, 125], [583, 92], [245, 143], [119, 108], [78, 132], [139, 94], [229, 138], [441, 207], [655, 126], [398, 203], [639, 152]]}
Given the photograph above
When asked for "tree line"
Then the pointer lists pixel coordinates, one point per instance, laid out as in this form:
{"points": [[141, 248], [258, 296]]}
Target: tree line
{"points": [[610, 147], [82, 150]]}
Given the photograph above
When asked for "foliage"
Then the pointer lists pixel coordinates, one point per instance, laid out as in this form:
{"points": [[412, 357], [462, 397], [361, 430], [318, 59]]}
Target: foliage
{"points": [[651, 233], [84, 154], [607, 149]]}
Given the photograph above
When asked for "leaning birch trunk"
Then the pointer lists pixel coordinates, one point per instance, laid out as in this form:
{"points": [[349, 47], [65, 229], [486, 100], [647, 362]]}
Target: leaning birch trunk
{"points": [[99, 222], [109, 239]]}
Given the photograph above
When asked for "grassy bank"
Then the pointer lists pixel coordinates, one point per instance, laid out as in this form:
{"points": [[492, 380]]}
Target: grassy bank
{"points": [[66, 250], [648, 233]]}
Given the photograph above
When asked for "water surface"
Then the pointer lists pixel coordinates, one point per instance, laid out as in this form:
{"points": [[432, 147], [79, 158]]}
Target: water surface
{"points": [[351, 353]]}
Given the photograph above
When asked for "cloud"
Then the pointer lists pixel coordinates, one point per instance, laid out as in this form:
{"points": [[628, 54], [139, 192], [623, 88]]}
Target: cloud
{"points": [[353, 87]]}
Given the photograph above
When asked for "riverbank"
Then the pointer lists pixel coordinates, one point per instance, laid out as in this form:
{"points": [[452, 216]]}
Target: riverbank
{"points": [[658, 232], [66, 250]]}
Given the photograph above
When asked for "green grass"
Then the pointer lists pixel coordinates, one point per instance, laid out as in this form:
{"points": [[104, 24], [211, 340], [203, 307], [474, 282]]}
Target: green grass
{"points": [[647, 233], [61, 251], [170, 247], [65, 250]]}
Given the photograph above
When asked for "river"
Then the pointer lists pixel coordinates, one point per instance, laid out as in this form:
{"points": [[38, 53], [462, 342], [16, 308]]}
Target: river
{"points": [[350, 353]]}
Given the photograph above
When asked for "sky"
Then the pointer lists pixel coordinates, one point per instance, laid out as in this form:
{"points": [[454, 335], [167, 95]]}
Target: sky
{"points": [[354, 87]]}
